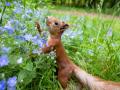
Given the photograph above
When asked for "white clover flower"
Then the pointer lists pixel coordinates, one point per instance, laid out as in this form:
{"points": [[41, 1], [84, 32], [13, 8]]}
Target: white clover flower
{"points": [[21, 80], [20, 60]]}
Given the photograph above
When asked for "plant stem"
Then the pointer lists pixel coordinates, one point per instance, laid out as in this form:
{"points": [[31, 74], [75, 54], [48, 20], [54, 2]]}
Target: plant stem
{"points": [[2, 15]]}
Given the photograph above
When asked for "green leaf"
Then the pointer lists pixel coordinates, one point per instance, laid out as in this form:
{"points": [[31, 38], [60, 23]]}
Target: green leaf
{"points": [[25, 76], [29, 66]]}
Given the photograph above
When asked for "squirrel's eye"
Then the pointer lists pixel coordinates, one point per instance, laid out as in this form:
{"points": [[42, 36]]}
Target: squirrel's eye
{"points": [[56, 23]]}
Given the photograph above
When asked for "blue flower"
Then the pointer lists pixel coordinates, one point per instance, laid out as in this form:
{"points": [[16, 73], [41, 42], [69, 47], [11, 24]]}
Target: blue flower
{"points": [[7, 3], [11, 21], [9, 29], [37, 13], [37, 41], [11, 88], [47, 44], [5, 49], [18, 10], [3, 60], [29, 11], [36, 37], [20, 38], [15, 23], [26, 16], [28, 37], [45, 34], [2, 30], [23, 27], [12, 81], [2, 85], [42, 43], [15, 2]]}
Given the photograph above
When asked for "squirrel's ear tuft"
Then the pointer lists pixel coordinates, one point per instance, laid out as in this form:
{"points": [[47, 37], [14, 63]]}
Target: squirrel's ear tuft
{"points": [[65, 26]]}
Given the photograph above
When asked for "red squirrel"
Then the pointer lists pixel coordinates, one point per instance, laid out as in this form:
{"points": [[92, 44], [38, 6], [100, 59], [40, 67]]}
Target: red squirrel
{"points": [[66, 67]]}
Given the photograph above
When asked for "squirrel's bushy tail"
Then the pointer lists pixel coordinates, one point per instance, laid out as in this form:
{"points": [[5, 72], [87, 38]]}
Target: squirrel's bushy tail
{"points": [[92, 82]]}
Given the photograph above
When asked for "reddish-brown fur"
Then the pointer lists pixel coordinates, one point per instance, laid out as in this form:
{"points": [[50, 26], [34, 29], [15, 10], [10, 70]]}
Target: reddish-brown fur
{"points": [[37, 25], [65, 66]]}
